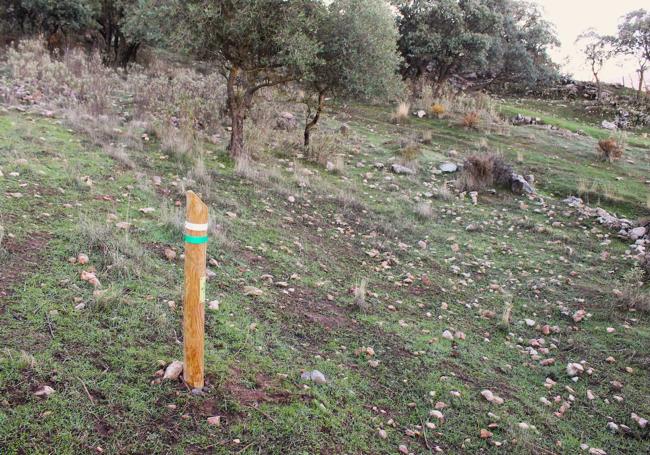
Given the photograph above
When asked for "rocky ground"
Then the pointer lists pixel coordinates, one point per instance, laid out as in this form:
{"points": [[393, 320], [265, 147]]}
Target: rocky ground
{"points": [[351, 309]]}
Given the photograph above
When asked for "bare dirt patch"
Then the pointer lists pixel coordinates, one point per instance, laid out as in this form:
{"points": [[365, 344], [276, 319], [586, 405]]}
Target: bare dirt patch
{"points": [[264, 390], [23, 256]]}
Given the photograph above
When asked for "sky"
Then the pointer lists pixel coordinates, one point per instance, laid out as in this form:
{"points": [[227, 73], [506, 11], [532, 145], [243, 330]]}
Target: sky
{"points": [[572, 17]]}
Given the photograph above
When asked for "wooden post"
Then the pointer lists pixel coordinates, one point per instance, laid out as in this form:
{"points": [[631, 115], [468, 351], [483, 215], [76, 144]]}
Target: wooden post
{"points": [[196, 240]]}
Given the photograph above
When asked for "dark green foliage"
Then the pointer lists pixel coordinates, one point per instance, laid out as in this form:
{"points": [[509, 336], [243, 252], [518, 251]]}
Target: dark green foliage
{"points": [[505, 41], [357, 57], [253, 43]]}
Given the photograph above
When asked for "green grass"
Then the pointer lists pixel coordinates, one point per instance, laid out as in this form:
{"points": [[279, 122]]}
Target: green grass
{"points": [[101, 360]]}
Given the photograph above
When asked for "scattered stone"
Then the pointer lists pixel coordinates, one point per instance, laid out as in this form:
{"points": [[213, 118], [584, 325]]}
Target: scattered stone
{"points": [[608, 125], [253, 291], [315, 376], [170, 254], [399, 169], [44, 391], [574, 369], [173, 370], [579, 315], [215, 421], [448, 167], [639, 420], [491, 397]]}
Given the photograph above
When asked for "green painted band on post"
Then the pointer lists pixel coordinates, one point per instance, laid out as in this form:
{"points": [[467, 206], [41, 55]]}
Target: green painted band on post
{"points": [[196, 240]]}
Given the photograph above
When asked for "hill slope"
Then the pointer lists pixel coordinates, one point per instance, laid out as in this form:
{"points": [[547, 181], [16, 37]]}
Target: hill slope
{"points": [[290, 244]]}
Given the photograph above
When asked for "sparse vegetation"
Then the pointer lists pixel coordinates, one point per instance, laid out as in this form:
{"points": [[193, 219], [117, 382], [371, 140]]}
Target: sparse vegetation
{"points": [[361, 296], [633, 294]]}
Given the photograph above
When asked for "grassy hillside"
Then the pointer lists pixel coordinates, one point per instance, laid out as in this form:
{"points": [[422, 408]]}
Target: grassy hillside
{"points": [[291, 247]]}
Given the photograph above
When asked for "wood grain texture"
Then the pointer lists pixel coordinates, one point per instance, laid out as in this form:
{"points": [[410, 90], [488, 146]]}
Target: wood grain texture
{"points": [[193, 300]]}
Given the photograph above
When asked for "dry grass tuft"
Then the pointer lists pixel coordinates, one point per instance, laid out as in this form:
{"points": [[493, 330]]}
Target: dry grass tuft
{"points": [[444, 193], [506, 316], [360, 291], [633, 294], [438, 110], [484, 171], [427, 137], [471, 120], [610, 149], [401, 113]]}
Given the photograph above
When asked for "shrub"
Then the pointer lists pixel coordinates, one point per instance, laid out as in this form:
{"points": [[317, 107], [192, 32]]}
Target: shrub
{"points": [[610, 149], [410, 152], [471, 120], [401, 113], [437, 110], [484, 171]]}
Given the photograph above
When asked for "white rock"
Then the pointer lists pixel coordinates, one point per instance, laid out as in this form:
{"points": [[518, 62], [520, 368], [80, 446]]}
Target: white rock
{"points": [[637, 232], [315, 376], [214, 420], [574, 369], [173, 370], [447, 335], [44, 391]]}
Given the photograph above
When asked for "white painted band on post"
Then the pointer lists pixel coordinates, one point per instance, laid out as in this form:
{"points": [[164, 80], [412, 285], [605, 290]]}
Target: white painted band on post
{"points": [[196, 227]]}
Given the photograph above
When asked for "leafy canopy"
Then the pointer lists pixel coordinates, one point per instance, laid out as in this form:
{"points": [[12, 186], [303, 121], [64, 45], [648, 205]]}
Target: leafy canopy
{"points": [[357, 55]]}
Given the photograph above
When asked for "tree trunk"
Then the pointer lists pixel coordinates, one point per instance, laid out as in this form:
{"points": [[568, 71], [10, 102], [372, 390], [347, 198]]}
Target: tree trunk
{"points": [[312, 123], [598, 89], [236, 147], [641, 75], [237, 107]]}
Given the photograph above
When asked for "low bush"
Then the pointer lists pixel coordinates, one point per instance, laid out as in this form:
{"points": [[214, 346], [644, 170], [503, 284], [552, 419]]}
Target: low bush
{"points": [[471, 120], [437, 110], [610, 149], [484, 171]]}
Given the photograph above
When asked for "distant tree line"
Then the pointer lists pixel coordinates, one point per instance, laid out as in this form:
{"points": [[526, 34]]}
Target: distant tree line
{"points": [[632, 40], [354, 49]]}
